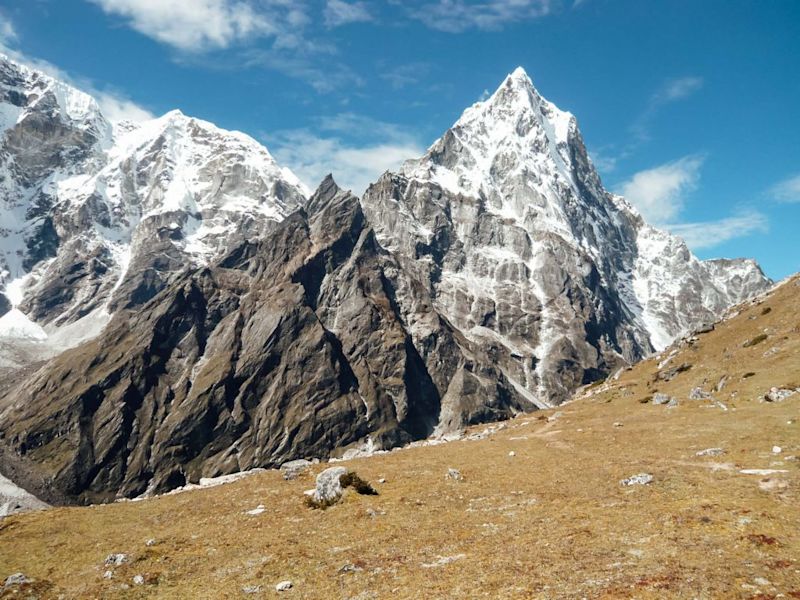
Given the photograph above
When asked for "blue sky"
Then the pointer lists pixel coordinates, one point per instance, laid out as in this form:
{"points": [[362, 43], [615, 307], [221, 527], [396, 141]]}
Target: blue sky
{"points": [[691, 108]]}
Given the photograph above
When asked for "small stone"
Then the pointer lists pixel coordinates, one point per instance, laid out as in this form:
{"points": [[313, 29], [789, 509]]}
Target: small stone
{"points": [[251, 589], [151, 542], [711, 452], [257, 510], [512, 453], [108, 574], [382, 480], [116, 559], [454, 474], [776, 394], [617, 424], [761, 581], [640, 479], [294, 468], [698, 394], [349, 568], [284, 586], [138, 580], [16, 579], [660, 398], [777, 449]]}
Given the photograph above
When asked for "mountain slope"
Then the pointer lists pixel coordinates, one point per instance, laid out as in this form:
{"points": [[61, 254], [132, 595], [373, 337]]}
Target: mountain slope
{"points": [[552, 520], [289, 346], [507, 221]]}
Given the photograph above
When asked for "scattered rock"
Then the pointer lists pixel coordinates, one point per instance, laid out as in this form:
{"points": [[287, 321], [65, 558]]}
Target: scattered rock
{"points": [[721, 383], [711, 452], [16, 579], [698, 394], [777, 449], [138, 580], [443, 560], [755, 341], [382, 480], [285, 586], [776, 394], [454, 474], [257, 510], [108, 574], [762, 471], [660, 398], [331, 484], [350, 568], [116, 559], [617, 424], [151, 542], [251, 589], [294, 468], [512, 453], [670, 373], [706, 328], [640, 479]]}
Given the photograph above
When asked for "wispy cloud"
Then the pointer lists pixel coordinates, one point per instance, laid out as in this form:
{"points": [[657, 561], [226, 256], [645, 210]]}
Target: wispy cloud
{"points": [[8, 34], [659, 193], [708, 234], [404, 75], [787, 190], [338, 12], [356, 149], [671, 91], [456, 16]]}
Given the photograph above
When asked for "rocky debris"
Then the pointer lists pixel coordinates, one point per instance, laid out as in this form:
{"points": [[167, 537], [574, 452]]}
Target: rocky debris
{"points": [[660, 398], [252, 589], [698, 394], [14, 499], [777, 449], [116, 559], [331, 484], [454, 475], [776, 394], [672, 372], [512, 454], [16, 579], [284, 586], [138, 580], [705, 328], [617, 424], [151, 542], [350, 568], [257, 510], [640, 479], [294, 468], [710, 452], [755, 341], [108, 574], [443, 560]]}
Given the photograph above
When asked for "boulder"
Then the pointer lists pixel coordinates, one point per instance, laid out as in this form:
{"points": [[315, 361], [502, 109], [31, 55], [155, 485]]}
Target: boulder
{"points": [[640, 479]]}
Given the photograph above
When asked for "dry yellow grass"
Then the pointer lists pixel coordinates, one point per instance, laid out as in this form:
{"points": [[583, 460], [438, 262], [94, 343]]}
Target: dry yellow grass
{"points": [[550, 522]]}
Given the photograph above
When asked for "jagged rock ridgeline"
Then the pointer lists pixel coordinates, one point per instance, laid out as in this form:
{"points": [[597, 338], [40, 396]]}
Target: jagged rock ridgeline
{"points": [[291, 345], [227, 323]]}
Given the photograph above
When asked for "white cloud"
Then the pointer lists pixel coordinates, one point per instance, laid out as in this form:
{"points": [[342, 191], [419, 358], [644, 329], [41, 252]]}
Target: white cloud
{"points": [[456, 16], [678, 89], [338, 12], [659, 193], [787, 190], [355, 149], [8, 34], [117, 107], [713, 233], [209, 24]]}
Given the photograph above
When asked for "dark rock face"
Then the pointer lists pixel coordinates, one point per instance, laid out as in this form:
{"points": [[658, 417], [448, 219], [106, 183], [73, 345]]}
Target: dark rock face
{"points": [[290, 346]]}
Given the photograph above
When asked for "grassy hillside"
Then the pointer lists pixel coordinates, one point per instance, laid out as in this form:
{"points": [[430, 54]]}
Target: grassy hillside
{"points": [[550, 520]]}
